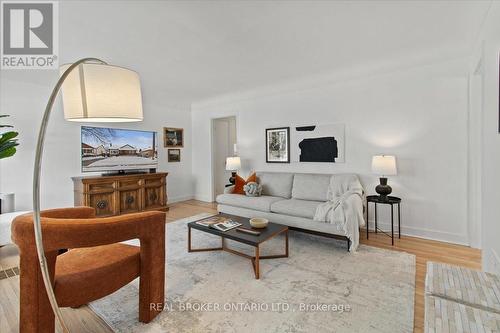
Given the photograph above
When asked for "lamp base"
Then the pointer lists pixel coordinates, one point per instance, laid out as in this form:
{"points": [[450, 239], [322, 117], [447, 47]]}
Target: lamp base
{"points": [[383, 189], [232, 180]]}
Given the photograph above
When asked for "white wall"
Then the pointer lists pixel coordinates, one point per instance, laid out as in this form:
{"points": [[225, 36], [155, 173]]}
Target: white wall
{"points": [[418, 114], [487, 54], [24, 93]]}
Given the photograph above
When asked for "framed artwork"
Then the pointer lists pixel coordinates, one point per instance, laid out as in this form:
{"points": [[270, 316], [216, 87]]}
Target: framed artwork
{"points": [[174, 155], [173, 137], [319, 143], [278, 145]]}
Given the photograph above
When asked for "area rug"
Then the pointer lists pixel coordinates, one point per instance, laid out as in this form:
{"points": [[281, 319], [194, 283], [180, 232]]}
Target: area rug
{"points": [[319, 288]]}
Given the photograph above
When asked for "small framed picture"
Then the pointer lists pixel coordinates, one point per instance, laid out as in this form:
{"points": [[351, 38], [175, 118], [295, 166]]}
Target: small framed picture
{"points": [[174, 155], [173, 137], [278, 145]]}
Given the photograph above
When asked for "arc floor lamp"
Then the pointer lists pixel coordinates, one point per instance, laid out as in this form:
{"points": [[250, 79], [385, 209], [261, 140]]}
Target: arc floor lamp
{"points": [[93, 92]]}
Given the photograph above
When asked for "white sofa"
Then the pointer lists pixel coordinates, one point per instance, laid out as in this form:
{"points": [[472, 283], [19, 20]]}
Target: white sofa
{"points": [[290, 199], [5, 224]]}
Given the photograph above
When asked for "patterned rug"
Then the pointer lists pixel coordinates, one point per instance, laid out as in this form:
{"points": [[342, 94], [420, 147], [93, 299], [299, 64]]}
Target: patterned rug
{"points": [[319, 288]]}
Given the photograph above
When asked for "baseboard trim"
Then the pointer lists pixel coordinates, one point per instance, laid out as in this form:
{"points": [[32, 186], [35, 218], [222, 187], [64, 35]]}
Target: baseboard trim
{"points": [[180, 198], [202, 197], [440, 236]]}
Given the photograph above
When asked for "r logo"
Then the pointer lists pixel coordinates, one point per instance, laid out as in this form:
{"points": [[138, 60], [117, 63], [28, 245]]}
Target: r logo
{"points": [[28, 28]]}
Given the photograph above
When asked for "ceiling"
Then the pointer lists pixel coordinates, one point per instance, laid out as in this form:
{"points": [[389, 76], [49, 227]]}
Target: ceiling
{"points": [[195, 50]]}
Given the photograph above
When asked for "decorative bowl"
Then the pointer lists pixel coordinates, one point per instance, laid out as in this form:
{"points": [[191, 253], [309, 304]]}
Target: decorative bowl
{"points": [[258, 222]]}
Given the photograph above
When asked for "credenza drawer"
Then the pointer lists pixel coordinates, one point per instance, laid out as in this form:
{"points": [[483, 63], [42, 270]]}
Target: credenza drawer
{"points": [[128, 184], [100, 187], [103, 203]]}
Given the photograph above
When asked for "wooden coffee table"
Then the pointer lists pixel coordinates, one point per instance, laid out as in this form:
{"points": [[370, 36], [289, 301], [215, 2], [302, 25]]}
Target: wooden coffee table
{"points": [[272, 230]]}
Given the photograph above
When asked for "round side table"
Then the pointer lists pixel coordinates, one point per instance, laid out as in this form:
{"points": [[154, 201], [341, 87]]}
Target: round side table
{"points": [[389, 201]]}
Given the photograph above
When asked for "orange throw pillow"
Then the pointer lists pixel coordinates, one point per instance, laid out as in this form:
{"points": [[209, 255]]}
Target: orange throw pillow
{"points": [[240, 182]]}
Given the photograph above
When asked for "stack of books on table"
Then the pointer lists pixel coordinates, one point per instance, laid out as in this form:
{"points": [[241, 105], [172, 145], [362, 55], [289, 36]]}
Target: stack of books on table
{"points": [[219, 223]]}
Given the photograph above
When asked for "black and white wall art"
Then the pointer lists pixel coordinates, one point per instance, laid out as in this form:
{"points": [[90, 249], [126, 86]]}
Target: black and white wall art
{"points": [[318, 143], [278, 145]]}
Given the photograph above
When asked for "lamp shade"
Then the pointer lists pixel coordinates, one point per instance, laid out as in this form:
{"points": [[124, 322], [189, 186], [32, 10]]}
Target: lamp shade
{"points": [[102, 93], [384, 165], [233, 163]]}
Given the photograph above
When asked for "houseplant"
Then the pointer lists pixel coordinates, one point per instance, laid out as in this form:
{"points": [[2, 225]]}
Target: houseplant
{"points": [[8, 141]]}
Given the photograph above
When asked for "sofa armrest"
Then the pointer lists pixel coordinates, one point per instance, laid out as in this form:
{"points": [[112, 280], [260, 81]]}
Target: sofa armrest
{"points": [[229, 189]]}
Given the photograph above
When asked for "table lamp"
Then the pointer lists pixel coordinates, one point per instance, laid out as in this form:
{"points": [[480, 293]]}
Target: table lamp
{"points": [[93, 92], [384, 165], [233, 164]]}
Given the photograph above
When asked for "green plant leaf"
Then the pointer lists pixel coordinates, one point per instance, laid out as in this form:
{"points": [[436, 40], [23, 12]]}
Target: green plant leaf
{"points": [[8, 136], [8, 141], [8, 152], [7, 145]]}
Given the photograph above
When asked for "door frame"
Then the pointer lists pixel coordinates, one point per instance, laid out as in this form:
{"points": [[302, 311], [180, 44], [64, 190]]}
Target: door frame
{"points": [[474, 153], [212, 148]]}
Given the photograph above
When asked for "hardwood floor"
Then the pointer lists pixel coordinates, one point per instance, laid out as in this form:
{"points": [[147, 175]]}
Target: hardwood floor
{"points": [[426, 250], [84, 320]]}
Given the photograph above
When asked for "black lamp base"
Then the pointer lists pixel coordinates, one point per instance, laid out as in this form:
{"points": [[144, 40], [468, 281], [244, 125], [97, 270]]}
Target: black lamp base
{"points": [[383, 189], [232, 180]]}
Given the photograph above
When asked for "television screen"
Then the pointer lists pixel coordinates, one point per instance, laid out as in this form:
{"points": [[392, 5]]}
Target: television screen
{"points": [[112, 149]]}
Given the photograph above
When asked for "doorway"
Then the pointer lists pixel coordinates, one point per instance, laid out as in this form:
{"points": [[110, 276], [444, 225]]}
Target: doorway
{"points": [[223, 145]]}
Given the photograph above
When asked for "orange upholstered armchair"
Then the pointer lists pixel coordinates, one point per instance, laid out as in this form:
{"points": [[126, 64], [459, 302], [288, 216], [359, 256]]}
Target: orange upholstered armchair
{"points": [[95, 265]]}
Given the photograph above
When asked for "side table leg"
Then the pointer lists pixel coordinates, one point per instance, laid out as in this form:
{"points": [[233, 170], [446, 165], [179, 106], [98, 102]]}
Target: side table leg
{"points": [[367, 219], [189, 239], [286, 243], [399, 220], [392, 224], [257, 275], [376, 224]]}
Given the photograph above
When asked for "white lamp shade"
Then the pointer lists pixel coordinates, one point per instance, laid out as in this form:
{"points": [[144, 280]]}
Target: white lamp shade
{"points": [[384, 165], [102, 93], [233, 163]]}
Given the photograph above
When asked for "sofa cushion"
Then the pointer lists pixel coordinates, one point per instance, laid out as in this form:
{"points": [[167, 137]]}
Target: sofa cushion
{"points": [[296, 207], [262, 203], [85, 268], [310, 186], [276, 184], [240, 182]]}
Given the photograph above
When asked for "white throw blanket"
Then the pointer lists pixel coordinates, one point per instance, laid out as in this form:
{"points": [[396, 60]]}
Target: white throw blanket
{"points": [[344, 207]]}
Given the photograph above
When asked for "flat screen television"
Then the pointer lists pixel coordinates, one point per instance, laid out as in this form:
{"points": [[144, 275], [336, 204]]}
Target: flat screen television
{"points": [[117, 150]]}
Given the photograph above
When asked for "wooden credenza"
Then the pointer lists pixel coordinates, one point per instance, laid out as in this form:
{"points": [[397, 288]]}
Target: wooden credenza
{"points": [[122, 194]]}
